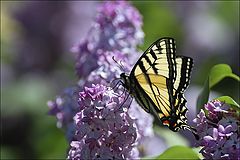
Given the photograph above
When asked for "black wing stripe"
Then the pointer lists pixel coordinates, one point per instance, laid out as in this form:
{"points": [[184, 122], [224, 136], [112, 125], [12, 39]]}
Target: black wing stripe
{"points": [[148, 79], [153, 54], [140, 98], [157, 69], [168, 109], [157, 97], [186, 68], [151, 65], [161, 97]]}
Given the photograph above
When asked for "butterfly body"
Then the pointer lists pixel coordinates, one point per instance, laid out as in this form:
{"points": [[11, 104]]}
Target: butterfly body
{"points": [[158, 81]]}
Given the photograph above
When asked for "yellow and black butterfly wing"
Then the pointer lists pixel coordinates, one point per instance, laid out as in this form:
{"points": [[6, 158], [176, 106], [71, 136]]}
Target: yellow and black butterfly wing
{"points": [[155, 74], [155, 93], [158, 59], [183, 72], [160, 80]]}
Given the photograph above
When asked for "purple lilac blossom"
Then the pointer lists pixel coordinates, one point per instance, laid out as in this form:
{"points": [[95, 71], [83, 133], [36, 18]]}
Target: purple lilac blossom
{"points": [[218, 131], [106, 69], [105, 130], [119, 25], [116, 32]]}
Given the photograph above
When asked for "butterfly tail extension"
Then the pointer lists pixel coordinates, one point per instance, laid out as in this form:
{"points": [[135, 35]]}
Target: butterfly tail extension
{"points": [[193, 131]]}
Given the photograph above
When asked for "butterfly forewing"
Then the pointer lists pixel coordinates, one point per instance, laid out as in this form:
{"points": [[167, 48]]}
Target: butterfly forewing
{"points": [[155, 74], [158, 59]]}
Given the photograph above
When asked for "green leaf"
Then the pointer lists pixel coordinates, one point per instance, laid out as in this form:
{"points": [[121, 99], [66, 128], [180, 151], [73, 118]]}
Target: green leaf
{"points": [[179, 152], [203, 96], [219, 72], [197, 151], [216, 74], [230, 101]]}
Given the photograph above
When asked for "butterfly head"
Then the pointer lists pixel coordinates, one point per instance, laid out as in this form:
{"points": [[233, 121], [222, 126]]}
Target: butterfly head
{"points": [[126, 80]]}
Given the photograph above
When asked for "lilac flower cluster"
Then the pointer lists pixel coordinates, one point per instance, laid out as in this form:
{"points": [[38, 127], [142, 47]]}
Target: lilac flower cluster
{"points": [[104, 42], [105, 130], [119, 25], [116, 32], [105, 126], [218, 131]]}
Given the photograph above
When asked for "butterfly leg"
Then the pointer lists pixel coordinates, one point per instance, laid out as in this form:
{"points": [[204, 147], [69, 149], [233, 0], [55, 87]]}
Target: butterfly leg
{"points": [[130, 101], [125, 100], [119, 83]]}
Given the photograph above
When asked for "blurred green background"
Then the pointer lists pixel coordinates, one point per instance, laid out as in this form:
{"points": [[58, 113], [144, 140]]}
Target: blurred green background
{"points": [[36, 62]]}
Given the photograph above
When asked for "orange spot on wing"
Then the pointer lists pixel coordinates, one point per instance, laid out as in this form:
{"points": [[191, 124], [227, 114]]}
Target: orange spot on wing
{"points": [[166, 122]]}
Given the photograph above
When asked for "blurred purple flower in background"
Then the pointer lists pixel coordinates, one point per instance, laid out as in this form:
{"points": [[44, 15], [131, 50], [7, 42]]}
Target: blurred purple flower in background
{"points": [[45, 36], [218, 131], [37, 54], [104, 124], [64, 108]]}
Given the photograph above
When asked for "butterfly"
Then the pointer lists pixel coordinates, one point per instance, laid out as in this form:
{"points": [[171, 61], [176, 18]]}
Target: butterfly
{"points": [[158, 81]]}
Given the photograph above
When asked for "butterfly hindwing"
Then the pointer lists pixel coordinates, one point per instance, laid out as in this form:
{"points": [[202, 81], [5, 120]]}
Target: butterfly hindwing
{"points": [[156, 89], [183, 72]]}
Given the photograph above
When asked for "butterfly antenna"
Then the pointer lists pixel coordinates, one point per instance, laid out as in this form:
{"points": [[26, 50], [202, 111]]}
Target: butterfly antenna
{"points": [[119, 65]]}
